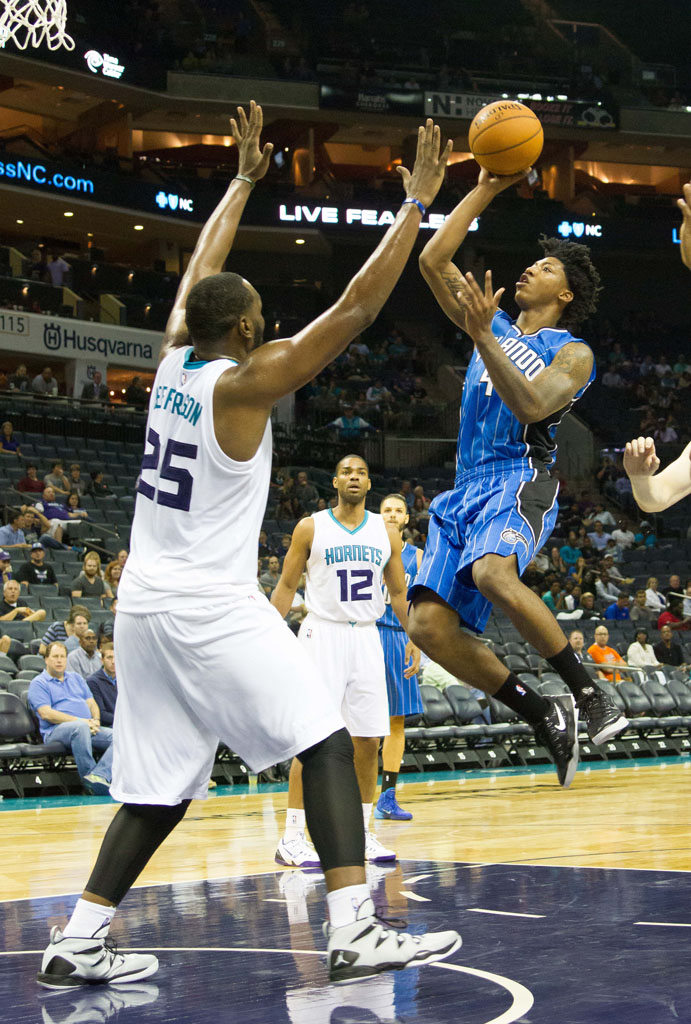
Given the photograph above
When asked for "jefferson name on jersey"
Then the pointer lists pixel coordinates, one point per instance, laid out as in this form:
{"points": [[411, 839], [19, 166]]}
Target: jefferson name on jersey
{"points": [[177, 403], [353, 553]]}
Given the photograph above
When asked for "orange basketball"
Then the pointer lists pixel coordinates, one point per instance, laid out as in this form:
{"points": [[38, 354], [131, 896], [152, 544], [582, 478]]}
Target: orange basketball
{"points": [[505, 137]]}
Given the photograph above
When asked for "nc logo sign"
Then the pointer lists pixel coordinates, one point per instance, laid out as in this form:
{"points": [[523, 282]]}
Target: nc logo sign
{"points": [[170, 201], [578, 228]]}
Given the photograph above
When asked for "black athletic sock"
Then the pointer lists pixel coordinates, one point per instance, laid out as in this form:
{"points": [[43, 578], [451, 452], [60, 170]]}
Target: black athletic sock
{"points": [[571, 670], [388, 780], [134, 835], [520, 698], [333, 806]]}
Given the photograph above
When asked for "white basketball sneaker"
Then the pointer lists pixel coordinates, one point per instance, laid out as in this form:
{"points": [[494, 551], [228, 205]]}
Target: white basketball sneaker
{"points": [[367, 947], [68, 962], [375, 851], [297, 853]]}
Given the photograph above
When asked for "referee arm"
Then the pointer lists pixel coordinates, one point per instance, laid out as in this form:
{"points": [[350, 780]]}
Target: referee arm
{"points": [[218, 234], [293, 566]]}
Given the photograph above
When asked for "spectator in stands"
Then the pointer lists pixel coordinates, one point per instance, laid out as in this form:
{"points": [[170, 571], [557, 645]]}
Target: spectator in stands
{"points": [[69, 631], [106, 628], [264, 550], [76, 480], [37, 267], [623, 535], [419, 511], [600, 514], [12, 536], [665, 433], [104, 685], [587, 606], [57, 515], [350, 424], [69, 714], [30, 484], [8, 446], [36, 571], [73, 505], [321, 505], [44, 383], [645, 535], [605, 588], [57, 268], [607, 564], [89, 582], [85, 659], [687, 598], [619, 609], [577, 641], [639, 611], [270, 578], [95, 390], [667, 650], [96, 486], [598, 536], [37, 529], [57, 479], [122, 556], [553, 596], [674, 587], [112, 574], [136, 395], [673, 616], [13, 607], [640, 653], [654, 598], [305, 492], [602, 654], [570, 552], [19, 380], [6, 571]]}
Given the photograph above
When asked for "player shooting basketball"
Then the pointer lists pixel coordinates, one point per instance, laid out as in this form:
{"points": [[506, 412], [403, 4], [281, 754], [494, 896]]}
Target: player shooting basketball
{"points": [[524, 375]]}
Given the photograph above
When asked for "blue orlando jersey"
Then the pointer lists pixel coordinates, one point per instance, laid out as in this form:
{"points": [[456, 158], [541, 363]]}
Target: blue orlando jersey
{"points": [[409, 557], [489, 431]]}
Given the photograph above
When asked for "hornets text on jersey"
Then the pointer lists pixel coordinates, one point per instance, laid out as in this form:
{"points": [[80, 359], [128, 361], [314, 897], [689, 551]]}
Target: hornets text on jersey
{"points": [[489, 431]]}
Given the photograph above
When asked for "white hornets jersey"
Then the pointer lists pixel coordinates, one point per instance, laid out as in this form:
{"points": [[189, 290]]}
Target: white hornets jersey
{"points": [[344, 569], [198, 512]]}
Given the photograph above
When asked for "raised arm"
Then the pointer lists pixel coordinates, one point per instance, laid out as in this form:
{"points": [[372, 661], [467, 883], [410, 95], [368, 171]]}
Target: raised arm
{"points": [[655, 491], [684, 205], [281, 367], [218, 234], [529, 401], [293, 566], [436, 258]]}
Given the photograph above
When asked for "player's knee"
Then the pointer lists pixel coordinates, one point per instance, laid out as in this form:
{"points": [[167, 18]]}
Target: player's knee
{"points": [[338, 746], [425, 628], [494, 579]]}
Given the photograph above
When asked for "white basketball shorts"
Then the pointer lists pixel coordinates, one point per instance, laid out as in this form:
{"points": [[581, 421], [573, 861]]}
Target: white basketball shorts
{"points": [[350, 661], [189, 679]]}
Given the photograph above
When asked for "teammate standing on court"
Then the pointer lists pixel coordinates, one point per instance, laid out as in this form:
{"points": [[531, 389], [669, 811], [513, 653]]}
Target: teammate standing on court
{"points": [[345, 552], [653, 491], [524, 375], [214, 661], [402, 687]]}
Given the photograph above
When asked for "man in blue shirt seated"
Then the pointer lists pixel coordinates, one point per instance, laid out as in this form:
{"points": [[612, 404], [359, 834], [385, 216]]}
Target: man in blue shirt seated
{"points": [[103, 684], [58, 515], [69, 714], [619, 609]]}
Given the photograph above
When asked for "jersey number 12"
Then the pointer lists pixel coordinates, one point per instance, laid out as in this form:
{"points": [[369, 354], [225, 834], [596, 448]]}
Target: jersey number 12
{"points": [[356, 585]]}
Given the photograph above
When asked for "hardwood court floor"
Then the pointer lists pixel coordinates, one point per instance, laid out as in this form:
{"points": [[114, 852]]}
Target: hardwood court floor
{"points": [[628, 817]]}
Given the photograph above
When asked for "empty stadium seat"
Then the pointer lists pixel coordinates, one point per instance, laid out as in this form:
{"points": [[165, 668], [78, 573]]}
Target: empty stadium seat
{"points": [[437, 710]]}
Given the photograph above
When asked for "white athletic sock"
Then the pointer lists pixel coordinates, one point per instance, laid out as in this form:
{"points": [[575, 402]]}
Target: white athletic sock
{"points": [[87, 918], [367, 814], [343, 904], [295, 822]]}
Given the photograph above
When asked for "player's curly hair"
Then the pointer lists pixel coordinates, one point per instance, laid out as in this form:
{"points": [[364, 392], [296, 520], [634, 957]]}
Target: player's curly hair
{"points": [[214, 306], [583, 279]]}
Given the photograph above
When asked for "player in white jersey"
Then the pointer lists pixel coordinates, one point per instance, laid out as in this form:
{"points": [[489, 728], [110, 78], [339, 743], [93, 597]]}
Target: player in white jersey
{"points": [[202, 656], [652, 492], [346, 553]]}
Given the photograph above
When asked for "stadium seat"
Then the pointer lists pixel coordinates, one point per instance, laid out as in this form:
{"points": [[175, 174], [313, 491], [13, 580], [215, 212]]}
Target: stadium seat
{"points": [[7, 665], [681, 692], [463, 703], [437, 709], [31, 662], [636, 702]]}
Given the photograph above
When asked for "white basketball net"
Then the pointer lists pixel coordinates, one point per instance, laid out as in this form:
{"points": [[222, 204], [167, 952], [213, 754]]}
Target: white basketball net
{"points": [[32, 22]]}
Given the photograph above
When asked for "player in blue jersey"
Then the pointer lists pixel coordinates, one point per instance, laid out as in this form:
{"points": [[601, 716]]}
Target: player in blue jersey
{"points": [[524, 375], [403, 689]]}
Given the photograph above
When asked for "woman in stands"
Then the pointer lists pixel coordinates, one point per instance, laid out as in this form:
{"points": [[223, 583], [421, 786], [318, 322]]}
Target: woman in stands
{"points": [[112, 575], [8, 446]]}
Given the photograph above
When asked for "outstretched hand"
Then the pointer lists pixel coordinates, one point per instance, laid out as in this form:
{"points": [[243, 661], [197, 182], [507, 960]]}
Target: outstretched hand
{"points": [[477, 306], [428, 171], [252, 161], [685, 231], [498, 182], [640, 457]]}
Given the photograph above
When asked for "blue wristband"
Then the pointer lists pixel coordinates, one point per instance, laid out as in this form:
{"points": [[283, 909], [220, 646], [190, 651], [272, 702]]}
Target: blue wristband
{"points": [[419, 205]]}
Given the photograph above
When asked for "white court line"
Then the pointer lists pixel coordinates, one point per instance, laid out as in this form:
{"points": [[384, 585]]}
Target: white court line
{"points": [[413, 896], [502, 913], [522, 997], [663, 924], [416, 878]]}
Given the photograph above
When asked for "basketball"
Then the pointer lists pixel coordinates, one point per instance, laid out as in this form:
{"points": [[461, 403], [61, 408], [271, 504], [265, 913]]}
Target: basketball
{"points": [[505, 137]]}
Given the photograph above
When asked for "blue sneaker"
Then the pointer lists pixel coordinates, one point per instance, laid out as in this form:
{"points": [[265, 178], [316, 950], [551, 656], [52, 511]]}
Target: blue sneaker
{"points": [[387, 807]]}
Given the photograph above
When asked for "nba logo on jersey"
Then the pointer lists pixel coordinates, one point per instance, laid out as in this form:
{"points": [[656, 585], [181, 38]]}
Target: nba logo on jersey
{"points": [[308, 634], [183, 379], [513, 537], [520, 689]]}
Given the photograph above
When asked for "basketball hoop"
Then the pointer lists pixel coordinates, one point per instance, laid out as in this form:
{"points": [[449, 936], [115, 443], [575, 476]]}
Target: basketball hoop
{"points": [[32, 22]]}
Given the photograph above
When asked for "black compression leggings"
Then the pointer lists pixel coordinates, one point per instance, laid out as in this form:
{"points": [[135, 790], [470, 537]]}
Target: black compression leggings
{"points": [[333, 807], [134, 835]]}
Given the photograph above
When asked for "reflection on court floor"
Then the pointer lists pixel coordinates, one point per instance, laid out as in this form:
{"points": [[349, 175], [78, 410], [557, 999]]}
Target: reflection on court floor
{"points": [[540, 945]]}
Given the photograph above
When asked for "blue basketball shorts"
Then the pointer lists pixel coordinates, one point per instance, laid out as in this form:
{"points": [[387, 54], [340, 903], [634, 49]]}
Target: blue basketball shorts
{"points": [[503, 508], [404, 694]]}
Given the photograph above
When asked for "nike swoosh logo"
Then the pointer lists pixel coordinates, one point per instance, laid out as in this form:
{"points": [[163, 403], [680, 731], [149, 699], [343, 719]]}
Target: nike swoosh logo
{"points": [[561, 723]]}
